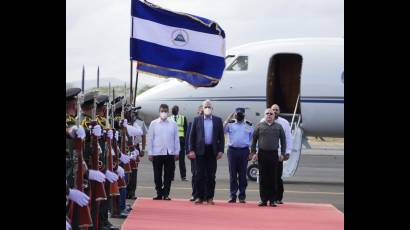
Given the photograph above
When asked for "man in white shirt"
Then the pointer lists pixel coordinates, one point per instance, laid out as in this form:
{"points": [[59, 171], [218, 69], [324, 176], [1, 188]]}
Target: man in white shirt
{"points": [[163, 149]]}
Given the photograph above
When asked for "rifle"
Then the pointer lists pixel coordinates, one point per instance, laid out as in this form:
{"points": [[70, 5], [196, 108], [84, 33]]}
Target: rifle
{"points": [[96, 187], [114, 190], [127, 167], [84, 217], [121, 181]]}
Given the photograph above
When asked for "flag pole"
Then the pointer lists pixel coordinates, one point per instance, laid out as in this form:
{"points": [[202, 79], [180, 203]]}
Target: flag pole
{"points": [[136, 84], [131, 81]]}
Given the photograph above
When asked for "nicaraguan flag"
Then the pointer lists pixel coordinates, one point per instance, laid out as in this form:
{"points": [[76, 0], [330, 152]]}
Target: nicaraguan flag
{"points": [[177, 45]]}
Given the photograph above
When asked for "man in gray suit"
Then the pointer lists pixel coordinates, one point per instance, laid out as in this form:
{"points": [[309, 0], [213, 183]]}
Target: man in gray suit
{"points": [[206, 145]]}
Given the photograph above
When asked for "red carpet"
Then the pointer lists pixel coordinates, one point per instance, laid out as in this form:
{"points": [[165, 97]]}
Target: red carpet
{"points": [[148, 214]]}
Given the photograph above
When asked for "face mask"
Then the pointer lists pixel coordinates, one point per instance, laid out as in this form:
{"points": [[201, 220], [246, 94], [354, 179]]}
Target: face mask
{"points": [[240, 117], [163, 115], [207, 111]]}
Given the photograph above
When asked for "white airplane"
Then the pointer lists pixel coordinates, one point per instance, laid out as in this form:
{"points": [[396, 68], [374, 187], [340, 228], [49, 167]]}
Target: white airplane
{"points": [[304, 76]]}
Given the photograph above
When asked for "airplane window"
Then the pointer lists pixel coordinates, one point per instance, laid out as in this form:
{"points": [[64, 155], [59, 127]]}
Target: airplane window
{"points": [[229, 59], [239, 64]]}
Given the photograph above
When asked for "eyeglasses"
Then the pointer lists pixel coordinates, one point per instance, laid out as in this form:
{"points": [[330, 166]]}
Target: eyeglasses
{"points": [[269, 113], [207, 107]]}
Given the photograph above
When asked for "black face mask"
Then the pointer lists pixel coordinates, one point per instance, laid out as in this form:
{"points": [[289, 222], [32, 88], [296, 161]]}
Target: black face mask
{"points": [[240, 116], [174, 112]]}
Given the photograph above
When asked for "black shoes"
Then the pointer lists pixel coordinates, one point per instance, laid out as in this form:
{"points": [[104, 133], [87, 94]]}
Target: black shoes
{"points": [[279, 202], [261, 203], [192, 199], [157, 198], [232, 201], [242, 201], [167, 198], [211, 202], [184, 179], [198, 201], [272, 203]]}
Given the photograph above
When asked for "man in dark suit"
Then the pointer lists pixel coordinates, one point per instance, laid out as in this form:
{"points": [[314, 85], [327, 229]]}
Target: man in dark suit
{"points": [[206, 145]]}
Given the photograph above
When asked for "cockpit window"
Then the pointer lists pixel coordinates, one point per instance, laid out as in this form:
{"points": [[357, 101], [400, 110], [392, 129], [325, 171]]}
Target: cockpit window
{"points": [[239, 64], [229, 59]]}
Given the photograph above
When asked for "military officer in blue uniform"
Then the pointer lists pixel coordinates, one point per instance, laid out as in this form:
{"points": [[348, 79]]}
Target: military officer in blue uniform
{"points": [[240, 134]]}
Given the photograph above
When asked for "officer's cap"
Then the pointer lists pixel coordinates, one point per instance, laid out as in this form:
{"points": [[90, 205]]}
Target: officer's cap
{"points": [[240, 110], [71, 93], [89, 98], [102, 99]]}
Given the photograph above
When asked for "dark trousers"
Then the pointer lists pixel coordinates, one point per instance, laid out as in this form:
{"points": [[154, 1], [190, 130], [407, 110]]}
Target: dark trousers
{"points": [[279, 193], [105, 205], [182, 168], [238, 163], [163, 164], [132, 183], [205, 174], [267, 162], [193, 180]]}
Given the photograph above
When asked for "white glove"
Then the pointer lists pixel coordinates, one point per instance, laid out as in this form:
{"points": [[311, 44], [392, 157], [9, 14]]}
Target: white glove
{"points": [[67, 225], [109, 134], [80, 132], [116, 135], [78, 197], [111, 177], [124, 159], [96, 175], [97, 130], [124, 123], [120, 171], [134, 154]]}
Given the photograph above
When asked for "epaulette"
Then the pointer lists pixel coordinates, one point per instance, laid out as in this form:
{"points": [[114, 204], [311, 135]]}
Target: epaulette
{"points": [[247, 122], [70, 120], [231, 121]]}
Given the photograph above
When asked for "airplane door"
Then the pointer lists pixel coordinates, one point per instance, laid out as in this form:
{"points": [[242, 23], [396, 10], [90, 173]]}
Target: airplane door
{"points": [[283, 82]]}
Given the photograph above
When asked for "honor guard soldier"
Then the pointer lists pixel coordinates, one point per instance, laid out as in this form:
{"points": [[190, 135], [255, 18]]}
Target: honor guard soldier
{"points": [[72, 132], [110, 176], [93, 131], [240, 134], [134, 147]]}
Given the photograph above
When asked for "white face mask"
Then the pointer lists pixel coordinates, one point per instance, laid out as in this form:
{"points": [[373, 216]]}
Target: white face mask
{"points": [[207, 111], [163, 115]]}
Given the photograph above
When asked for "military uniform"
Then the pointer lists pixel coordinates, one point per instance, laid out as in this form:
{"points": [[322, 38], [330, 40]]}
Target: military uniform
{"points": [[240, 136], [105, 125], [71, 160], [121, 200], [86, 122]]}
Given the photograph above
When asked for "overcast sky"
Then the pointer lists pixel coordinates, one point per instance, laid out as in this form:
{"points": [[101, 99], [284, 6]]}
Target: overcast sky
{"points": [[98, 31]]}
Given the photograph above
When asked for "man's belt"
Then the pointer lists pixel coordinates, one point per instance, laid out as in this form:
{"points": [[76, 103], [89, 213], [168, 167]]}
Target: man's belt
{"points": [[237, 148]]}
